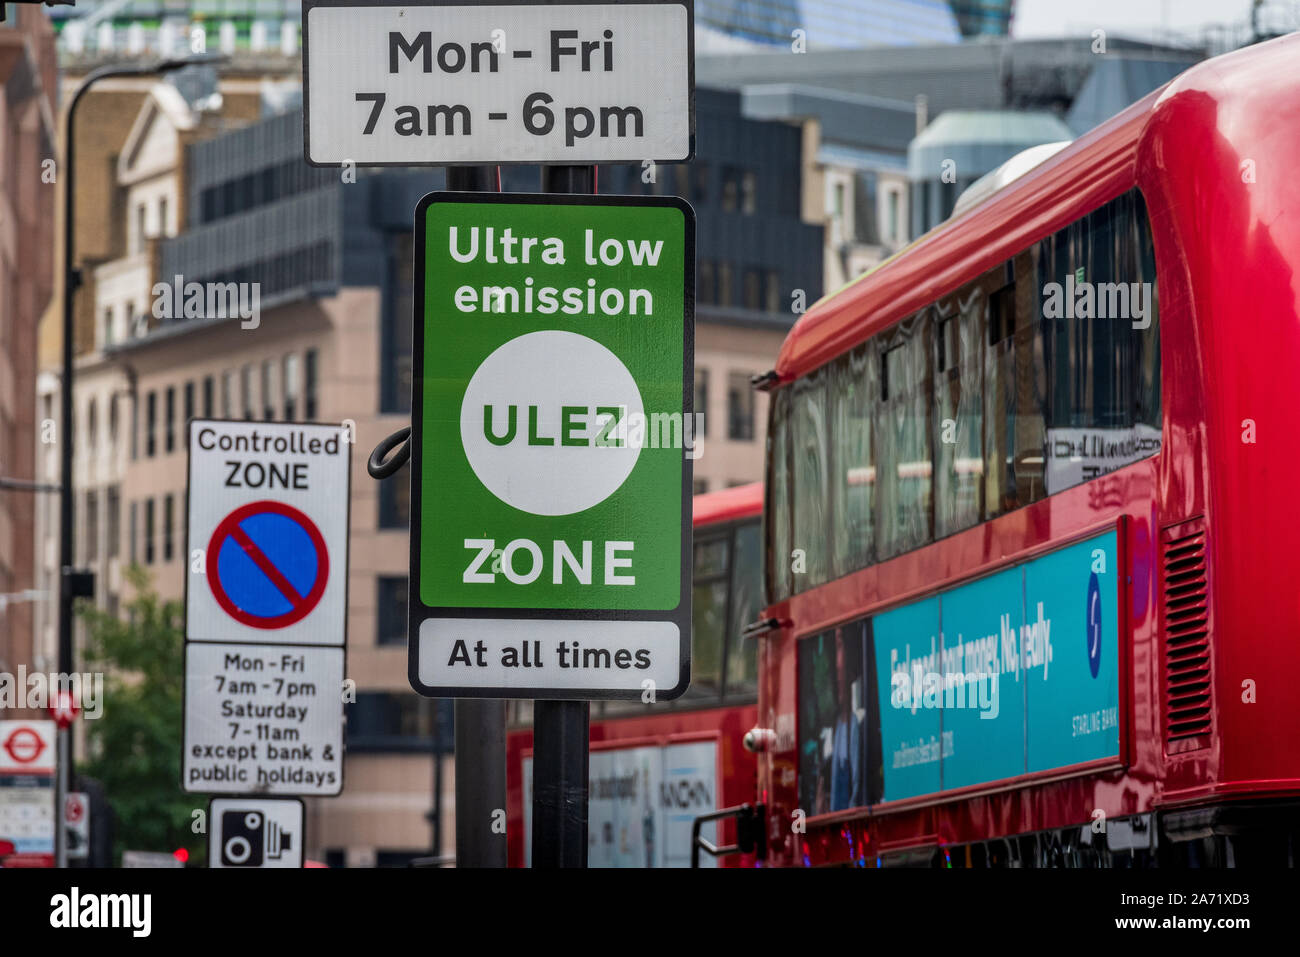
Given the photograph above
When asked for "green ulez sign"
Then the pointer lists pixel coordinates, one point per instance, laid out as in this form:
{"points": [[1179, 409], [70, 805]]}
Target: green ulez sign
{"points": [[553, 437]]}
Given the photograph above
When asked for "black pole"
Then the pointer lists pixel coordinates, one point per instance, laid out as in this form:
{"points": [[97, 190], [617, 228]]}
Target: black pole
{"points": [[480, 723], [561, 729], [437, 779]]}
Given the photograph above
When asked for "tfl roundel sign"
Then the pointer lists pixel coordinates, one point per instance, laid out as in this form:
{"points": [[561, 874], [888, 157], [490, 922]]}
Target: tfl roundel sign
{"points": [[268, 532]]}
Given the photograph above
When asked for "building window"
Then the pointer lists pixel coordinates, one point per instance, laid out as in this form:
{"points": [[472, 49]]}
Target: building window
{"points": [[708, 288], [702, 400], [92, 526], [112, 422], [748, 193], [92, 427], [392, 611], [108, 326], [392, 721], [395, 368], [228, 394], [268, 389], [207, 397], [131, 330], [113, 532], [169, 517], [246, 391], [699, 486], [865, 216], [894, 200], [162, 216], [837, 206], [148, 531], [724, 284], [772, 290], [134, 533], [730, 189], [150, 424], [310, 373], [740, 407], [169, 411], [701, 192], [751, 289], [291, 387], [395, 500], [140, 222], [189, 401]]}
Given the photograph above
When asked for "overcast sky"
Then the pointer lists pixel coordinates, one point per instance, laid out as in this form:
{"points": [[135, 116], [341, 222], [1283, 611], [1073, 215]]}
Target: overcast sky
{"points": [[1036, 18]]}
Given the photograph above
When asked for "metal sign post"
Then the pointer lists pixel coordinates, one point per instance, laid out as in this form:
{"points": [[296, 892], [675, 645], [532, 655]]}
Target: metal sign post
{"points": [[480, 723]]}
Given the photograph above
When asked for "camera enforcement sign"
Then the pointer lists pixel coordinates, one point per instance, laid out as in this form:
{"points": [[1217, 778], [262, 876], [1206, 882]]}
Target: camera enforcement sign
{"points": [[437, 84], [552, 441]]}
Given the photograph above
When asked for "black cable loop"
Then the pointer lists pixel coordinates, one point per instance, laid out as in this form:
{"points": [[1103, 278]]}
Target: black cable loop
{"points": [[377, 467]]}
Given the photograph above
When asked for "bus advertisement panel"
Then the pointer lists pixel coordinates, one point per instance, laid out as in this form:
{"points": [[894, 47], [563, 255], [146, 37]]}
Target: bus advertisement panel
{"points": [[1007, 675]]}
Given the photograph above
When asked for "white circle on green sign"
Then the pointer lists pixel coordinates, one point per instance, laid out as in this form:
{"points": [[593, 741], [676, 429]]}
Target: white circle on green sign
{"points": [[544, 422]]}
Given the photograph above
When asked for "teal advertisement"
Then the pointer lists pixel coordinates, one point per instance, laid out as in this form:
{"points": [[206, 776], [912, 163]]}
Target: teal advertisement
{"points": [[1011, 674]]}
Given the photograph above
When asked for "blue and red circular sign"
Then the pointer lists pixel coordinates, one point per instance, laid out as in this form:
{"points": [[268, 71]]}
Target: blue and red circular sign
{"points": [[267, 565]]}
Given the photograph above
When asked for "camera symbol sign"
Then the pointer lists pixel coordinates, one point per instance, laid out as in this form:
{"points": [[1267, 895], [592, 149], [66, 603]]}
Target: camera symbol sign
{"points": [[267, 565]]}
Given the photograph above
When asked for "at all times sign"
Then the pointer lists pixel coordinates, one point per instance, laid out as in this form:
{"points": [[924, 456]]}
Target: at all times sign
{"points": [[552, 436]]}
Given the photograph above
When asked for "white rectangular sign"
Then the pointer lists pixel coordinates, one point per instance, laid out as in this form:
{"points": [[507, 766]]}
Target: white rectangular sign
{"points": [[253, 832], [434, 84], [268, 532], [263, 719], [587, 656]]}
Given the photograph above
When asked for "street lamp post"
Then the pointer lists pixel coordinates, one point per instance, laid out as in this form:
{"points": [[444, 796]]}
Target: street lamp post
{"points": [[71, 280]]}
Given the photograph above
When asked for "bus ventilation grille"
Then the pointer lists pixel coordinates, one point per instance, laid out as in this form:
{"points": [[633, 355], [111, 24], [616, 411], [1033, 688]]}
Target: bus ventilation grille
{"points": [[1187, 632]]}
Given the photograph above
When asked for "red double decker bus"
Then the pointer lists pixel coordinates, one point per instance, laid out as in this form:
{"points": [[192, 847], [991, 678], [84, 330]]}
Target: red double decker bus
{"points": [[656, 767], [1031, 528]]}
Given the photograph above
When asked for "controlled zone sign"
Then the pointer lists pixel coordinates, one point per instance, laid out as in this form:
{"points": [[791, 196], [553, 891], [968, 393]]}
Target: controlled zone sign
{"points": [[552, 441], [268, 532], [438, 84]]}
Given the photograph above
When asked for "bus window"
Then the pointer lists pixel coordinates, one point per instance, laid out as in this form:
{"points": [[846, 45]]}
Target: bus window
{"points": [[776, 517], [958, 411], [746, 603], [904, 466], [811, 484], [1013, 384], [852, 395], [709, 615], [1100, 343]]}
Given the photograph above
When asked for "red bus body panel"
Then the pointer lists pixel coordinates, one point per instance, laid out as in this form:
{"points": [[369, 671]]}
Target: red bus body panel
{"points": [[1213, 154]]}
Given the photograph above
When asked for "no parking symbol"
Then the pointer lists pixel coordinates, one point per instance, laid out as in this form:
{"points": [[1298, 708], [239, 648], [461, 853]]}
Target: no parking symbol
{"points": [[267, 565], [267, 532]]}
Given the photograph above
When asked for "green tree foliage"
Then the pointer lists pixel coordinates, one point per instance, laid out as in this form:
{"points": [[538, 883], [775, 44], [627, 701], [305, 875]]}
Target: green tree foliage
{"points": [[135, 748]]}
